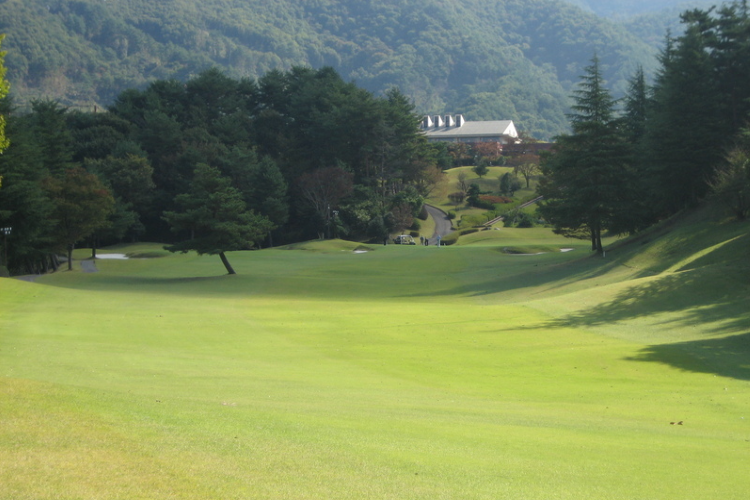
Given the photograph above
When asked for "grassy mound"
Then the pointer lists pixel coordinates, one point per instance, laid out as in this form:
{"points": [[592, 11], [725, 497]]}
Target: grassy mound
{"points": [[329, 246], [410, 373]]}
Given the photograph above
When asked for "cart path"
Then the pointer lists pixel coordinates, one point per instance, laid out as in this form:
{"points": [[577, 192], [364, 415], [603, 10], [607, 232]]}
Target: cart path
{"points": [[89, 266], [443, 224]]}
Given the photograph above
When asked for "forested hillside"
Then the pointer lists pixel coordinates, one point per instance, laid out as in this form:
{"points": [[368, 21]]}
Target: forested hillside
{"points": [[511, 59], [628, 8]]}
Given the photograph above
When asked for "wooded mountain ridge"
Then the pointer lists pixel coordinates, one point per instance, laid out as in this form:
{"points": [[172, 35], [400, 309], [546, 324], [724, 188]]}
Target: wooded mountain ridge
{"points": [[487, 59], [621, 9]]}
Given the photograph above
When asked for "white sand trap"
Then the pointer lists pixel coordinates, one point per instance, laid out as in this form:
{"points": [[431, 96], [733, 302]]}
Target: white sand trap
{"points": [[567, 249], [360, 251], [120, 256]]}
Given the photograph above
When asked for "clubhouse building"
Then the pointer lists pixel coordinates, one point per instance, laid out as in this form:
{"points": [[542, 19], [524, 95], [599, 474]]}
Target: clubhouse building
{"points": [[456, 129]]}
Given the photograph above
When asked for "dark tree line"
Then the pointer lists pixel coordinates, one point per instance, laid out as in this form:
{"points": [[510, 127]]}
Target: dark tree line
{"points": [[215, 164], [668, 146]]}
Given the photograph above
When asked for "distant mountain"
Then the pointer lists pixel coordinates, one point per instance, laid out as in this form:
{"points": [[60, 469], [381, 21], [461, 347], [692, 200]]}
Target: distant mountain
{"points": [[487, 59], [629, 8]]}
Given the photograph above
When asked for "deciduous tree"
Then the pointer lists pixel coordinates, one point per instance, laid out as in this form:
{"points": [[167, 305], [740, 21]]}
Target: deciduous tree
{"points": [[528, 166], [731, 182], [323, 189]]}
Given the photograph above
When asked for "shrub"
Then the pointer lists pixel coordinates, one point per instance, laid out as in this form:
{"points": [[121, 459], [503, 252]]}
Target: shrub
{"points": [[524, 220], [479, 203], [451, 215], [472, 220], [510, 218], [450, 238], [457, 198], [494, 199], [415, 225]]}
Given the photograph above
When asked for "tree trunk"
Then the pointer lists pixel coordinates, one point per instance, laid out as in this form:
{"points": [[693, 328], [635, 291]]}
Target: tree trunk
{"points": [[70, 257], [226, 263]]}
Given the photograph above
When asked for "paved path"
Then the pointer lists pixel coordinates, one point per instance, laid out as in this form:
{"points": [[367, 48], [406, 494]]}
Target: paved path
{"points": [[89, 266], [443, 224]]}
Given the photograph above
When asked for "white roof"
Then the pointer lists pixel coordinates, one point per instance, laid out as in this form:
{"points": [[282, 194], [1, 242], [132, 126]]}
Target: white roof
{"points": [[474, 129]]}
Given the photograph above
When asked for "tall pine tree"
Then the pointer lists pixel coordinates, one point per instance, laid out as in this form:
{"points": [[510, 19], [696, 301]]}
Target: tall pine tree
{"points": [[684, 130], [586, 177]]}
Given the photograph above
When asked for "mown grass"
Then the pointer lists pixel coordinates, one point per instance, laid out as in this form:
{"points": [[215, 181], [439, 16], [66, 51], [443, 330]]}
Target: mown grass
{"points": [[401, 372], [487, 183]]}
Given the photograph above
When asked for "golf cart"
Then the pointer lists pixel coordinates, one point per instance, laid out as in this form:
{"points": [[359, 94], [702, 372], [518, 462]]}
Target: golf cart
{"points": [[404, 239]]}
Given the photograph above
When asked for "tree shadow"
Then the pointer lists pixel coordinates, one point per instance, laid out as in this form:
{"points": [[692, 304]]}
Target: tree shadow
{"points": [[547, 273], [717, 301], [727, 356], [700, 296]]}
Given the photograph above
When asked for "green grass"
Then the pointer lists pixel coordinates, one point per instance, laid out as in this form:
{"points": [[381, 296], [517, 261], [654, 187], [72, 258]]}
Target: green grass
{"points": [[401, 372], [487, 183]]}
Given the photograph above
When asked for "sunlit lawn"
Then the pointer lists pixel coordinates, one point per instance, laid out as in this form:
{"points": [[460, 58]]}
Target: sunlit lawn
{"points": [[487, 183], [401, 373]]}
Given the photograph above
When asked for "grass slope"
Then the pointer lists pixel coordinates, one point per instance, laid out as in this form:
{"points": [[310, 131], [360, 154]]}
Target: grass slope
{"points": [[488, 183], [402, 372]]}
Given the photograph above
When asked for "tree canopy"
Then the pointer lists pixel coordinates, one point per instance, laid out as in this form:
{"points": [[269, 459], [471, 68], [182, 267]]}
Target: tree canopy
{"points": [[670, 145], [499, 60], [262, 141], [214, 217]]}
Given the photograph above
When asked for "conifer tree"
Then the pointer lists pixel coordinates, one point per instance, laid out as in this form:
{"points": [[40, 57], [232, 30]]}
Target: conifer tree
{"points": [[214, 218], [586, 176], [684, 132], [636, 108], [4, 89], [82, 205]]}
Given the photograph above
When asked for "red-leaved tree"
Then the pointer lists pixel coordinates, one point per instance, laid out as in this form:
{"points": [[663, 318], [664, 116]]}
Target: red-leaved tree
{"points": [[323, 189]]}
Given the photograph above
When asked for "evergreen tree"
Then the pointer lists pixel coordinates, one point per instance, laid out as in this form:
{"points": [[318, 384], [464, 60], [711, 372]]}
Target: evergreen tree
{"points": [[684, 131], [729, 48], [4, 89], [509, 184], [53, 136], [130, 180], [585, 183], [214, 218], [82, 204], [634, 127], [24, 204], [481, 168], [636, 108], [270, 194]]}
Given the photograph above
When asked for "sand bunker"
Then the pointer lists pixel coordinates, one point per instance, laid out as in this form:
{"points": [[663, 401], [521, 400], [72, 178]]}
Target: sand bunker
{"points": [[121, 256]]}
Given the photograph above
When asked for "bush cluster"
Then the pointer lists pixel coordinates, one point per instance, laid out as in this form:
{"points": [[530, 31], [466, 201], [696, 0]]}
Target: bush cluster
{"points": [[494, 199]]}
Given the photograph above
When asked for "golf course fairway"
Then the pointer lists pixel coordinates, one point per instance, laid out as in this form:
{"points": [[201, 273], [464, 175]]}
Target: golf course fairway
{"points": [[321, 372]]}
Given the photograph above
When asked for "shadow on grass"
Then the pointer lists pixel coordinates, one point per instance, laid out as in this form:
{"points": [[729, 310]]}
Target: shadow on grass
{"points": [[154, 285], [700, 297], [716, 300], [726, 356], [548, 273]]}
